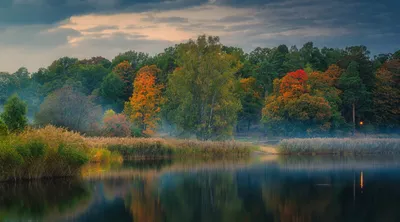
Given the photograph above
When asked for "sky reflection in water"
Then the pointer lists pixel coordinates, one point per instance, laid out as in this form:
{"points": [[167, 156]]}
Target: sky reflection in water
{"points": [[284, 189]]}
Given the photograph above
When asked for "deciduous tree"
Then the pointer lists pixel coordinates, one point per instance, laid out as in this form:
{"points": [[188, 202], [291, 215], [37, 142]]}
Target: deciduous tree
{"points": [[386, 95], [126, 73], [201, 92], [146, 99], [292, 109], [68, 108]]}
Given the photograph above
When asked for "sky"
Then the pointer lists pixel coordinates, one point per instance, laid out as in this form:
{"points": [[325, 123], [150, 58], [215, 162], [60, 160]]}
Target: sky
{"points": [[33, 33]]}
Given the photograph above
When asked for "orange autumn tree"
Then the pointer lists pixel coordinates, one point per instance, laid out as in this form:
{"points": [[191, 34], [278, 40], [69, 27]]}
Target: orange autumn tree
{"points": [[144, 105], [293, 109], [325, 84], [294, 84]]}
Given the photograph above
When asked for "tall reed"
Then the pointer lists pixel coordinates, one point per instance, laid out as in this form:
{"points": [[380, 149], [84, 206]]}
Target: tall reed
{"points": [[340, 146], [47, 152], [157, 147]]}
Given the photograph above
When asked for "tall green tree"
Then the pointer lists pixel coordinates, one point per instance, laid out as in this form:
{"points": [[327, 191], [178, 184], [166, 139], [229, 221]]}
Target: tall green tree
{"points": [[354, 91], [127, 74], [91, 76], [386, 95], [201, 92], [251, 101], [112, 91], [136, 59], [165, 61], [14, 114]]}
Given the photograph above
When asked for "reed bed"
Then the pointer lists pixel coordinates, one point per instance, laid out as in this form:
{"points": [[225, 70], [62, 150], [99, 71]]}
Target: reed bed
{"points": [[46, 153], [336, 146], [133, 148]]}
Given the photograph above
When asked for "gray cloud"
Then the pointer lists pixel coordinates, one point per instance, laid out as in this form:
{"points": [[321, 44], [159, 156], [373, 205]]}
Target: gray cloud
{"points": [[13, 57], [332, 23], [51, 11], [172, 19], [42, 36], [102, 28], [234, 19]]}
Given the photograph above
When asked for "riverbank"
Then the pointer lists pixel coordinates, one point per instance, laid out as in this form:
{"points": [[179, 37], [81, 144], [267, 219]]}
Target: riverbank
{"points": [[51, 152]]}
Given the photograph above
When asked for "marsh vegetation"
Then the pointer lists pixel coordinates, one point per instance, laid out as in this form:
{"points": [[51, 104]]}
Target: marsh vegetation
{"points": [[340, 146]]}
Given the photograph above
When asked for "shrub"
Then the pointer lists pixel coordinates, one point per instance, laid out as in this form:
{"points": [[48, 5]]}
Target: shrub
{"points": [[136, 132], [116, 125], [14, 115], [3, 129], [34, 149], [72, 155]]}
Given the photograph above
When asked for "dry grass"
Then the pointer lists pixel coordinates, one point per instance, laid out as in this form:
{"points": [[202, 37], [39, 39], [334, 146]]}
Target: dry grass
{"points": [[46, 153], [340, 146], [157, 147]]}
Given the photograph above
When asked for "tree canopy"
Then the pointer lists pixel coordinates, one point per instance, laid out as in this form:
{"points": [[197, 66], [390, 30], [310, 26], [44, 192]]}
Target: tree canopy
{"points": [[209, 90]]}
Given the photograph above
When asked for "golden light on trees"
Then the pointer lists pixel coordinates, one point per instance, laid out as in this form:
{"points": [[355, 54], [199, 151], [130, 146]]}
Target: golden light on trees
{"points": [[146, 99]]}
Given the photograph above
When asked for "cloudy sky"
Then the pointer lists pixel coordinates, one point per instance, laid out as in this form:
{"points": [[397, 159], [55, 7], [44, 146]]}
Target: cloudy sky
{"points": [[35, 32]]}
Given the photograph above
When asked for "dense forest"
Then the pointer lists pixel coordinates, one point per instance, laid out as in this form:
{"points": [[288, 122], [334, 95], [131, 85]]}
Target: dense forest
{"points": [[205, 89]]}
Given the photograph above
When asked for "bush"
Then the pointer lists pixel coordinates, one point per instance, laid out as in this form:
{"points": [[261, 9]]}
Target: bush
{"points": [[3, 129], [116, 125], [72, 155], [34, 149], [14, 115], [136, 132]]}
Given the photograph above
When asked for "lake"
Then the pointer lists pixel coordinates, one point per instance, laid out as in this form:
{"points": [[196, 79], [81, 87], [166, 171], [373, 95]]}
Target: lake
{"points": [[267, 188]]}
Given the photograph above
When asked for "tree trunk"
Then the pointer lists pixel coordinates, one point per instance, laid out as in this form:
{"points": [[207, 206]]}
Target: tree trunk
{"points": [[354, 119]]}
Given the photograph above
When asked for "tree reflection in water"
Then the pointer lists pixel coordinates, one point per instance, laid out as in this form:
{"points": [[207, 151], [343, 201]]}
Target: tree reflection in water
{"points": [[43, 200], [286, 190], [268, 193]]}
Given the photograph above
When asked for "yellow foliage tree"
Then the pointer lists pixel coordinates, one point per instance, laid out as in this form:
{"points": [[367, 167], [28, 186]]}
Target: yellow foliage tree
{"points": [[146, 100]]}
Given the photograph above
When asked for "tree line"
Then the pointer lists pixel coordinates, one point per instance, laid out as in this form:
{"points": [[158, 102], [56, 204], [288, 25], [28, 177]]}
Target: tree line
{"points": [[204, 88]]}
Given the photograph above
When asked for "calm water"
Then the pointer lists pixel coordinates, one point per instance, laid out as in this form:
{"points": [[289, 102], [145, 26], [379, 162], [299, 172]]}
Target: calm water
{"points": [[262, 189]]}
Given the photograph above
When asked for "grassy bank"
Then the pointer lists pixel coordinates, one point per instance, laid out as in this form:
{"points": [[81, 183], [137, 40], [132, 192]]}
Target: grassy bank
{"points": [[157, 147], [55, 152], [46, 153], [333, 146]]}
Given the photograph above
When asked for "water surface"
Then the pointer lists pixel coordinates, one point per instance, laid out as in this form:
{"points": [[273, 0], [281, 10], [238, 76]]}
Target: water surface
{"points": [[259, 189]]}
